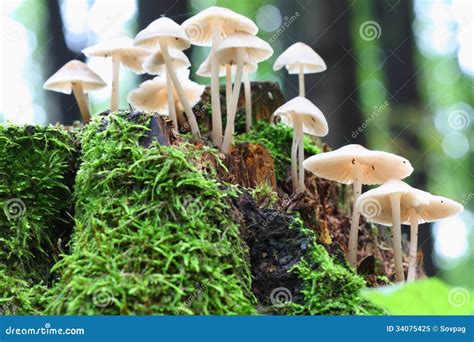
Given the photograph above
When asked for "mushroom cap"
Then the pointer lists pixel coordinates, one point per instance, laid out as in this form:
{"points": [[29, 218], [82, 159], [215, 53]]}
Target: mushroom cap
{"points": [[204, 69], [377, 166], [198, 27], [74, 72], [300, 108], [255, 48], [152, 95], [300, 53], [155, 64], [162, 28], [120, 48], [375, 204]]}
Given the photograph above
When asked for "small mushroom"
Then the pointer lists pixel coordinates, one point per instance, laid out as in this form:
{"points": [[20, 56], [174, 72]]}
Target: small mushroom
{"points": [[228, 70], [77, 77], [165, 34], [235, 49], [152, 95], [121, 50], [155, 65], [356, 165], [416, 207], [207, 28], [300, 59], [304, 117]]}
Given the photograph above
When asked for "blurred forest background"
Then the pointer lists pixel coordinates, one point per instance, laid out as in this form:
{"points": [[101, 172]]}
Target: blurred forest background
{"points": [[400, 78]]}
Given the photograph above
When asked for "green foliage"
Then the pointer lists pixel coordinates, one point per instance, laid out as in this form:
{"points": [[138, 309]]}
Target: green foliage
{"points": [[153, 233], [277, 139], [423, 297], [35, 164], [264, 195]]}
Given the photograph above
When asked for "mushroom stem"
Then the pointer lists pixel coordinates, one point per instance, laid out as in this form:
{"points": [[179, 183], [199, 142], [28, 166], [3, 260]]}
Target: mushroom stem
{"points": [[397, 236], [82, 101], [114, 98], [170, 97], [229, 129], [413, 247], [216, 28], [248, 102], [301, 186], [354, 232], [301, 80], [179, 89], [294, 160], [228, 86]]}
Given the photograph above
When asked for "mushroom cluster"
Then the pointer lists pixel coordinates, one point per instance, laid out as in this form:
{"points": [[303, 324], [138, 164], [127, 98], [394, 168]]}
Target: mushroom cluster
{"points": [[235, 52]]}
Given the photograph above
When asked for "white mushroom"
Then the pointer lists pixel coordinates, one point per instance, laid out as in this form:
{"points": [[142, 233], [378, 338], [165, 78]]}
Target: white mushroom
{"points": [[155, 65], [166, 34], [121, 50], [300, 59], [235, 49], [354, 164], [207, 28], [304, 117], [77, 77]]}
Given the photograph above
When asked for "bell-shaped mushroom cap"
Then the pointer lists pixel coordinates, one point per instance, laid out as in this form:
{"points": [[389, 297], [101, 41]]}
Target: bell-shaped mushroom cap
{"points": [[198, 28], [155, 64], [204, 69], [377, 166], [300, 53], [256, 49], [438, 208], [152, 95], [375, 204], [163, 28], [74, 72], [300, 108], [121, 48]]}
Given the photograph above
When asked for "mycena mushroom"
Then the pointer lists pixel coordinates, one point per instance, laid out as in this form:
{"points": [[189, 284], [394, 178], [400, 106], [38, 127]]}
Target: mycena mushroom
{"points": [[356, 165], [304, 117], [77, 77], [207, 28]]}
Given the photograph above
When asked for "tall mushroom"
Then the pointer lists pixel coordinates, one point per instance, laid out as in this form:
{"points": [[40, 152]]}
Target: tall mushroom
{"points": [[356, 165], [416, 207], [122, 51], [152, 95], [300, 59], [228, 70], [166, 34], [77, 77], [304, 117], [207, 28], [236, 49], [391, 204], [155, 65]]}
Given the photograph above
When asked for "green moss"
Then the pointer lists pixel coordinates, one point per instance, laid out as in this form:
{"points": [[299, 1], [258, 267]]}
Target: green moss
{"points": [[329, 288], [264, 195], [277, 139], [153, 233], [36, 167]]}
